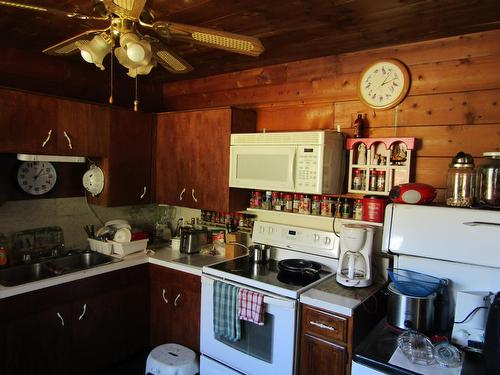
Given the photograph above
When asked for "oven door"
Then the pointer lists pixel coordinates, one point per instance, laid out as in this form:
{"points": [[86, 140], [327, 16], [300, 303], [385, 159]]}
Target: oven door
{"points": [[267, 349]]}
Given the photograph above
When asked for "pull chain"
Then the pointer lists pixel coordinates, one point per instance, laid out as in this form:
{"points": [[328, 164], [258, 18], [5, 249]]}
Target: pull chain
{"points": [[136, 102], [111, 80]]}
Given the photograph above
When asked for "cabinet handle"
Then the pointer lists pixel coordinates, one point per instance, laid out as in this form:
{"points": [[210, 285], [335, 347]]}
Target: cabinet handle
{"points": [[164, 297], [192, 194], [83, 312], [60, 317], [69, 140], [182, 193], [143, 192], [176, 299], [47, 139], [322, 326], [481, 223]]}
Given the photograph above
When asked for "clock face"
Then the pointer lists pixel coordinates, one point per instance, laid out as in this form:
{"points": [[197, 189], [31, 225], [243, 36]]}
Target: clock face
{"points": [[36, 177], [384, 84]]}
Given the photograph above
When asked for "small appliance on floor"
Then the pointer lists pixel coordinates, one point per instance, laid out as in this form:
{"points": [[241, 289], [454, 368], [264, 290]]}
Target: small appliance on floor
{"points": [[356, 242]]}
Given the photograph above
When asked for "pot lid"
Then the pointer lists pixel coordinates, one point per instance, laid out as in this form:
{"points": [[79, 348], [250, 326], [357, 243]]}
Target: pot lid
{"points": [[462, 160]]}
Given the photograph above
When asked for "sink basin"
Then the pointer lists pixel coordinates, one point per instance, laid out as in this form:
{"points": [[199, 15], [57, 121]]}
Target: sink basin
{"points": [[27, 273]]}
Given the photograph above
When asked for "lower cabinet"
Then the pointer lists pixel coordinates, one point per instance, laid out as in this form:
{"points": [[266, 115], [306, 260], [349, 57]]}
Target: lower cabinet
{"points": [[320, 356], [175, 307], [81, 327]]}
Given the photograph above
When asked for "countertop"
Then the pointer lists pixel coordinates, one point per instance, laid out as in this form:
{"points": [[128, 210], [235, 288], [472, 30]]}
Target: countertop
{"points": [[166, 257], [332, 296], [376, 350]]}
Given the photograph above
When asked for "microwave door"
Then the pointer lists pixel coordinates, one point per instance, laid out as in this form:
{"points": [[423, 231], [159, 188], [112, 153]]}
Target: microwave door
{"points": [[262, 167]]}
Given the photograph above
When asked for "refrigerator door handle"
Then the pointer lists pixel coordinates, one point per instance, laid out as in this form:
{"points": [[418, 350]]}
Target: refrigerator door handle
{"points": [[481, 223]]}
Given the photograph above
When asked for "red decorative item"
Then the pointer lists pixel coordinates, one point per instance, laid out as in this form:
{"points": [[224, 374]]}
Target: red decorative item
{"points": [[412, 193]]}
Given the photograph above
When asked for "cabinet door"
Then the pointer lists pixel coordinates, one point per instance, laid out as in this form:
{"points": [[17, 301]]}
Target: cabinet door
{"points": [[318, 357], [28, 123], [175, 307], [175, 159], [127, 168], [37, 342], [82, 128]]}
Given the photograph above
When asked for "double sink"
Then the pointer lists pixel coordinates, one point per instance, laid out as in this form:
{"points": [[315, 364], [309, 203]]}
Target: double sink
{"points": [[45, 269]]}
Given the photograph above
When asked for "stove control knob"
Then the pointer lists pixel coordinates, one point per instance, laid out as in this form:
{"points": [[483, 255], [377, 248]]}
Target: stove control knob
{"points": [[271, 230], [262, 229], [328, 240], [316, 237]]}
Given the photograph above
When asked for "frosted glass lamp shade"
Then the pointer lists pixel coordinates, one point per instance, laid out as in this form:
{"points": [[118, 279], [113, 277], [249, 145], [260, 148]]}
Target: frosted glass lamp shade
{"points": [[94, 51], [135, 52]]}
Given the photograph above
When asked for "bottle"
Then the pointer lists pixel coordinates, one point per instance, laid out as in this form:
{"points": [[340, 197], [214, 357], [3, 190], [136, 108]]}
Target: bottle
{"points": [[357, 211], [3, 251], [488, 181], [288, 202], [359, 126], [326, 206], [373, 180], [301, 204], [346, 209], [356, 180], [460, 181], [316, 205], [381, 181], [296, 201], [257, 199], [338, 208], [306, 205]]}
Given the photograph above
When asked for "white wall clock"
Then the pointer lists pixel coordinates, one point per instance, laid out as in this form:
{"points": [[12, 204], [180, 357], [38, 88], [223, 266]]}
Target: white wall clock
{"points": [[384, 84], [36, 177], [93, 180]]}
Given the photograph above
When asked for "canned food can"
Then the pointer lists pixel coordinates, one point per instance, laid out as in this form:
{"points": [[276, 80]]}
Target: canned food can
{"points": [[374, 209]]}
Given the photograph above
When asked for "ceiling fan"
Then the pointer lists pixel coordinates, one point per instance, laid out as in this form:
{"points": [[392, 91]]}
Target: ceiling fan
{"points": [[126, 35]]}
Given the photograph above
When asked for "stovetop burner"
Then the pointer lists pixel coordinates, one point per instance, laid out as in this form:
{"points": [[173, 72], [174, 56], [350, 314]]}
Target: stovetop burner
{"points": [[301, 280]]}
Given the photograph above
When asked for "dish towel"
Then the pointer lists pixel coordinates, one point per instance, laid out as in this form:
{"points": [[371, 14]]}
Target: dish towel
{"points": [[226, 319], [251, 306]]}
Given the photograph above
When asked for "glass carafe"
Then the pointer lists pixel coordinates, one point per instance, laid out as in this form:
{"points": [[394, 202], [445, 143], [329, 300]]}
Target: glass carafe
{"points": [[461, 181]]}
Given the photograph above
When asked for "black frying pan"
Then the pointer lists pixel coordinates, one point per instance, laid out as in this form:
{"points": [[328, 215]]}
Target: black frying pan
{"points": [[299, 267]]}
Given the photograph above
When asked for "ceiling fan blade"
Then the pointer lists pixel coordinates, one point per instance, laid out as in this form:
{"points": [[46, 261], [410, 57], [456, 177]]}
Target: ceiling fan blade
{"points": [[68, 46], [129, 9], [167, 58], [243, 44], [57, 12]]}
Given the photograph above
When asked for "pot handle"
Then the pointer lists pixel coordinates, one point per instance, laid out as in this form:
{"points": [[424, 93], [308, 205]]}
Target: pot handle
{"points": [[310, 271]]}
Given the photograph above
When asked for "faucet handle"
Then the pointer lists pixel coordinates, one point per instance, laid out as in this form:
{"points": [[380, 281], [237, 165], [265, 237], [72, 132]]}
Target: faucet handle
{"points": [[26, 257]]}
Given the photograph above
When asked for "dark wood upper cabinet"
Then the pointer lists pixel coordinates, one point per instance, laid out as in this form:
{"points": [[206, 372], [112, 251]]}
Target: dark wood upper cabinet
{"points": [[192, 158], [39, 124], [127, 165]]}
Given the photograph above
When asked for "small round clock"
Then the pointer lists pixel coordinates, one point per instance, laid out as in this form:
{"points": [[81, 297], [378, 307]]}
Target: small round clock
{"points": [[384, 84], [36, 177]]}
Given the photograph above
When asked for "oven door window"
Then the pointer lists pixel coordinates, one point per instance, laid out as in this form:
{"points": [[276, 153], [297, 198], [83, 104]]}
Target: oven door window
{"points": [[255, 340]]}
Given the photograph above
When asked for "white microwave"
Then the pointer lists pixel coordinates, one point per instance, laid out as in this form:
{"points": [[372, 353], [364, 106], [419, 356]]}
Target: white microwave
{"points": [[310, 162]]}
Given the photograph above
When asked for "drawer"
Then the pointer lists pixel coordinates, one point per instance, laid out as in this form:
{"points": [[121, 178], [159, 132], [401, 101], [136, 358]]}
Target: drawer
{"points": [[324, 324]]}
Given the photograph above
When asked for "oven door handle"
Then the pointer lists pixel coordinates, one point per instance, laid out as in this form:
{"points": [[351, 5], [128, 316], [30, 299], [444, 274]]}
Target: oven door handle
{"points": [[268, 300]]}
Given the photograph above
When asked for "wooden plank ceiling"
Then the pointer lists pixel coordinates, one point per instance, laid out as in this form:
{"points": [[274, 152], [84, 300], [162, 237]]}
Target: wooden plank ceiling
{"points": [[289, 30]]}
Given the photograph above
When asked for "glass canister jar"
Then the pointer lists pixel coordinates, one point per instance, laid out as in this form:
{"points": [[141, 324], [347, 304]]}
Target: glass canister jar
{"points": [[488, 181], [460, 181]]}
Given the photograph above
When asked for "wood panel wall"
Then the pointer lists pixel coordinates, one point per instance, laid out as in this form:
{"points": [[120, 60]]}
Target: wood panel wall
{"points": [[453, 104]]}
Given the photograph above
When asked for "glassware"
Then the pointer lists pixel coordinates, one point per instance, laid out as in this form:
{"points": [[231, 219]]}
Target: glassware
{"points": [[488, 181], [460, 181], [416, 347]]}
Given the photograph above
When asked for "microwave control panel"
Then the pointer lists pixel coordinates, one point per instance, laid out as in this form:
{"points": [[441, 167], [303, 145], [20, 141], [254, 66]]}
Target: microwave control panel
{"points": [[307, 165]]}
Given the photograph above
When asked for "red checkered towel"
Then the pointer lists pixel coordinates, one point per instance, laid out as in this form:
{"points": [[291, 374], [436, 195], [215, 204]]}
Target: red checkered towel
{"points": [[251, 306]]}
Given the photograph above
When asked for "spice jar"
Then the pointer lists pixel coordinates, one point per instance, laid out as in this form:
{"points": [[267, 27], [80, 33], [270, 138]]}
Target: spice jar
{"points": [[356, 180], [288, 203], [326, 206], [488, 181], [296, 201], [460, 181], [357, 210], [346, 209], [373, 180], [381, 181], [306, 205], [316, 205]]}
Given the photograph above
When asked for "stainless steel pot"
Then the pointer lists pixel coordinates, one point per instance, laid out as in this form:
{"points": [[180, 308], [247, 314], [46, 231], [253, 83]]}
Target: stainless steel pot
{"points": [[408, 312], [259, 253]]}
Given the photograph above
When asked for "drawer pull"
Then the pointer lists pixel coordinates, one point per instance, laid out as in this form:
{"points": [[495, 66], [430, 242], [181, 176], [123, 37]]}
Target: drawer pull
{"points": [[194, 198], [83, 312], [182, 193], [176, 299], [322, 326], [163, 295], [143, 192]]}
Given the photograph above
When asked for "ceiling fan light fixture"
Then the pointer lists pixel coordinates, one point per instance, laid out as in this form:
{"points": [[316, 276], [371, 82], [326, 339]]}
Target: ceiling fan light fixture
{"points": [[96, 50], [135, 52]]}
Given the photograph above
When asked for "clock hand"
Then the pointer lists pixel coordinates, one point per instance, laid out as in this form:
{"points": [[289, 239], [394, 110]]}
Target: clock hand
{"points": [[385, 82]]}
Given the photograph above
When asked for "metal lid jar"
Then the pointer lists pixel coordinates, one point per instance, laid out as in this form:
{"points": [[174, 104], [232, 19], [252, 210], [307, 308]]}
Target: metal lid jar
{"points": [[460, 181], [488, 181]]}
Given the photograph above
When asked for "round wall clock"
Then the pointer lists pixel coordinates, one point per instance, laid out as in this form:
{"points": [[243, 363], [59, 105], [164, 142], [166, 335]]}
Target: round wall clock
{"points": [[384, 84], [36, 177]]}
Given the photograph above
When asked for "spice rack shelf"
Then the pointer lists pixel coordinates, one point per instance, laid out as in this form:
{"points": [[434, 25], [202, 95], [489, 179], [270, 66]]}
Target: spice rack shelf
{"points": [[378, 164]]}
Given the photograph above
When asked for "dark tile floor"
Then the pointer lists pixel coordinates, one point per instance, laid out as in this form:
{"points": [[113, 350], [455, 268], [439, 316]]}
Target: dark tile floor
{"points": [[135, 365]]}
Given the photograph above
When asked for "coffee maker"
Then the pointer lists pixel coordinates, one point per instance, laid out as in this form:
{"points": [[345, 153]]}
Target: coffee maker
{"points": [[355, 269]]}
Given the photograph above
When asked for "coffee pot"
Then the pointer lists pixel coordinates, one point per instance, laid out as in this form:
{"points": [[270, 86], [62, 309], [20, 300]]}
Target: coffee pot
{"points": [[356, 242]]}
